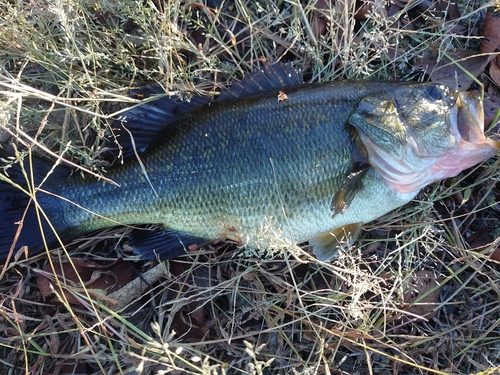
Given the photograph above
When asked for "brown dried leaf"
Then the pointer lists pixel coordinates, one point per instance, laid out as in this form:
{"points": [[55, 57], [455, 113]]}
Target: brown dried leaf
{"points": [[448, 72], [94, 276], [393, 10], [439, 9], [189, 320], [450, 7], [491, 104], [495, 254], [495, 71], [421, 283], [319, 19], [491, 33], [481, 240], [186, 323], [365, 10]]}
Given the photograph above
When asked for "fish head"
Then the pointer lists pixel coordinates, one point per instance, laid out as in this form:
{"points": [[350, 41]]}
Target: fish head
{"points": [[416, 134]]}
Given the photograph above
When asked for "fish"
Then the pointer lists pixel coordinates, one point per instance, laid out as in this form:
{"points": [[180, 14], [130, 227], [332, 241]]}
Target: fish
{"points": [[271, 163]]}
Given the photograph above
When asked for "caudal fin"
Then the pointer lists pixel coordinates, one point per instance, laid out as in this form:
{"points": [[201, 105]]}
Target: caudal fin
{"points": [[20, 225]]}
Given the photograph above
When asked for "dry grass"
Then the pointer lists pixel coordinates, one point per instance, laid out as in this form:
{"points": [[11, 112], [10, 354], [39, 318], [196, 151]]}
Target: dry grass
{"points": [[65, 68]]}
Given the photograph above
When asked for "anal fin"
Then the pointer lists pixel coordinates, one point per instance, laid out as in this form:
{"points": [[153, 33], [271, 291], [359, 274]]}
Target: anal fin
{"points": [[163, 244], [327, 244]]}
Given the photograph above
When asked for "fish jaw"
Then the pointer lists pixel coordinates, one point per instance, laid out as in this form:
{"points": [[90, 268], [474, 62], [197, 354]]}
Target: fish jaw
{"points": [[465, 156], [413, 171], [466, 123]]}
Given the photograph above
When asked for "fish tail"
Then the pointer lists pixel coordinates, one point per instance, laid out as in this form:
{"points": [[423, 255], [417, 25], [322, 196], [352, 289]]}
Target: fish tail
{"points": [[21, 224]]}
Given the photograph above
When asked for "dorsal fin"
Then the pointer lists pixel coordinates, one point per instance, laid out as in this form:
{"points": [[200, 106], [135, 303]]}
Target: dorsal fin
{"points": [[264, 79], [137, 127], [148, 119]]}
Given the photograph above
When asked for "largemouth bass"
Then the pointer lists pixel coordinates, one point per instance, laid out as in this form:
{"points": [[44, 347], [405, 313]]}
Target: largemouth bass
{"points": [[279, 163]]}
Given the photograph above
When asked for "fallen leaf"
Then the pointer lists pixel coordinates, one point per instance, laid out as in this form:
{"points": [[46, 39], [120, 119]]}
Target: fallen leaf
{"points": [[282, 96], [450, 8], [189, 321], [420, 284], [482, 240], [319, 18], [439, 9], [495, 254], [491, 105], [457, 72], [495, 71], [95, 277], [491, 33]]}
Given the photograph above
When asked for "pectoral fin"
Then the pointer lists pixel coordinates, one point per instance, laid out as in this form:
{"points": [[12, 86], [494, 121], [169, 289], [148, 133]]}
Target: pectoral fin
{"points": [[163, 244], [327, 244], [343, 197]]}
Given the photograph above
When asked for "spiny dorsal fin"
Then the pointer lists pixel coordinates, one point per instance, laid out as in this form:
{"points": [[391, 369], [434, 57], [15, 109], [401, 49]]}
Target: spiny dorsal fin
{"points": [[326, 245], [267, 78], [146, 121], [149, 119]]}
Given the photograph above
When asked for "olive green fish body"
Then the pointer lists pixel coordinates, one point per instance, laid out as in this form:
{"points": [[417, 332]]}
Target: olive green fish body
{"points": [[274, 168], [237, 168]]}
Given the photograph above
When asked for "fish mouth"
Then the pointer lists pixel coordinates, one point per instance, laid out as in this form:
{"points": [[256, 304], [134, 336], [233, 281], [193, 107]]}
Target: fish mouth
{"points": [[466, 120], [466, 123], [469, 119]]}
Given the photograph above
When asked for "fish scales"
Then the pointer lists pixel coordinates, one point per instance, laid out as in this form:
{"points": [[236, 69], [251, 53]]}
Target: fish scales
{"points": [[227, 165], [266, 169]]}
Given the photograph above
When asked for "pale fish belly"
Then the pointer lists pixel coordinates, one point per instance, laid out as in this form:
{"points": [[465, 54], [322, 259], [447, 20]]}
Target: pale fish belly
{"points": [[279, 228]]}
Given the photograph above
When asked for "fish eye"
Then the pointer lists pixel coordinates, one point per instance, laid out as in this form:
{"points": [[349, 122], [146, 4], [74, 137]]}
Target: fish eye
{"points": [[433, 93]]}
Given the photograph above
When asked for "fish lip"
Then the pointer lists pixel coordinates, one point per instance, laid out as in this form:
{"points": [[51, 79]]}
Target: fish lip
{"points": [[472, 147], [467, 123], [469, 118], [493, 143]]}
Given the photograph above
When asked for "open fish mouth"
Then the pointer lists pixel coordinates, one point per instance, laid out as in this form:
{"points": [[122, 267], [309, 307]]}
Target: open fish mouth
{"points": [[443, 138], [469, 123], [467, 126], [466, 121]]}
